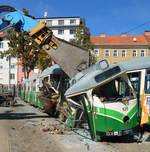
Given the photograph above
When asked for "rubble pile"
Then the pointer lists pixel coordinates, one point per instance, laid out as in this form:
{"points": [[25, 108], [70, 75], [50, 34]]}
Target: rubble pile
{"points": [[50, 127]]}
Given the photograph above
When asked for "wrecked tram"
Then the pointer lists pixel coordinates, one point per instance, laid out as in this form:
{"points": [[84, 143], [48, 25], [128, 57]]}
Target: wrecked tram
{"points": [[46, 90], [110, 98], [105, 99]]}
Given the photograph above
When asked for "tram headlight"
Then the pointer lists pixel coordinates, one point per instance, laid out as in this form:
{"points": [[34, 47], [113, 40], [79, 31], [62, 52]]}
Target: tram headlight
{"points": [[126, 120]]}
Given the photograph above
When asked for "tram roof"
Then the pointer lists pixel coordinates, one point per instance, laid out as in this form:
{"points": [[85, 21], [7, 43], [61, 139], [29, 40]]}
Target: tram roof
{"points": [[55, 69], [136, 64], [33, 77], [94, 76]]}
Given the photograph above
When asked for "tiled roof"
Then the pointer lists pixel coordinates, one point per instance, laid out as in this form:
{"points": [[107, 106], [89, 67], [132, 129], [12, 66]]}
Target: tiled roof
{"points": [[148, 39], [128, 40], [3, 34]]}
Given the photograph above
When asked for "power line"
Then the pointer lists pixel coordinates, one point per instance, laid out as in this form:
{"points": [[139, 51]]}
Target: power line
{"points": [[138, 26]]}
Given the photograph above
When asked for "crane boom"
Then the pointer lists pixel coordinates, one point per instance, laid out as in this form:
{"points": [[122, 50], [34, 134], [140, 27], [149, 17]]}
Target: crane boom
{"points": [[72, 59]]}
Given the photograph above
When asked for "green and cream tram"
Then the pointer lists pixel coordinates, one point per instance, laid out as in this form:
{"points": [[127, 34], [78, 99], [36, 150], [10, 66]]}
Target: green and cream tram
{"points": [[108, 97]]}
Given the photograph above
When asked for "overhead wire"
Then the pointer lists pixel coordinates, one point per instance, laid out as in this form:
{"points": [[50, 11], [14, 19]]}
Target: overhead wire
{"points": [[136, 27]]}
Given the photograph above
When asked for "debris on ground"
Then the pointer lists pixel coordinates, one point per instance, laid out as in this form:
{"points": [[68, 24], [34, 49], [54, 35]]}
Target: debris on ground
{"points": [[34, 131], [45, 129], [56, 131]]}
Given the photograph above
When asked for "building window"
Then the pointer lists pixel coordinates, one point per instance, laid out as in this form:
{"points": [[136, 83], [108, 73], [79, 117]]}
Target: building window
{"points": [[60, 22], [123, 53], [96, 53], [12, 66], [12, 76], [49, 22], [72, 22], [1, 45], [134, 53], [72, 31], [1, 67], [60, 32], [115, 53], [107, 53], [142, 52]]}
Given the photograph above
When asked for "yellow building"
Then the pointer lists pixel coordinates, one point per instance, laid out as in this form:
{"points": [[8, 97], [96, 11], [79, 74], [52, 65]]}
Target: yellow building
{"points": [[121, 48]]}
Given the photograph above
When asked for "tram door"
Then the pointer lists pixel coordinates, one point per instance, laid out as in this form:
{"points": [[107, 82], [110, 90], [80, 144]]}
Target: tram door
{"points": [[147, 90], [135, 78]]}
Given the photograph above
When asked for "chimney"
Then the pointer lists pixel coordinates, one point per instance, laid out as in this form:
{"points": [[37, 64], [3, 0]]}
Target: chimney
{"points": [[134, 39], [123, 34], [45, 14], [102, 34], [147, 33]]}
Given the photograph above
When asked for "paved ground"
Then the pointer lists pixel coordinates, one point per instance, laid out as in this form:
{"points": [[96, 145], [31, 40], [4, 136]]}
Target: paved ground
{"points": [[21, 130], [4, 145]]}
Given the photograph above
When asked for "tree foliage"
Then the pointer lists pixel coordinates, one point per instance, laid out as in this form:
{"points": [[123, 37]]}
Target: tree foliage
{"points": [[93, 59], [44, 60], [28, 52], [82, 37], [23, 48]]}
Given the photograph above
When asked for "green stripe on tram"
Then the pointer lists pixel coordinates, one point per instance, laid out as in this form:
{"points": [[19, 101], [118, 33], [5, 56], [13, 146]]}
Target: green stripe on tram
{"points": [[112, 113]]}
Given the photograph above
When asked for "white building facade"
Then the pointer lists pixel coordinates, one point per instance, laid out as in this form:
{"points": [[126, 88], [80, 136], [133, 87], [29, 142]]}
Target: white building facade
{"points": [[63, 27], [8, 67]]}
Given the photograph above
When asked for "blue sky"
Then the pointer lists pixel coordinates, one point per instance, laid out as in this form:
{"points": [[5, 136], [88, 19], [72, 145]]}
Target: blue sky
{"points": [[102, 16]]}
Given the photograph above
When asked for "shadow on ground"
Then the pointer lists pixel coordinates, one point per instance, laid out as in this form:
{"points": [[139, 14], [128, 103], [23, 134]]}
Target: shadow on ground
{"points": [[122, 139], [146, 128], [18, 105], [16, 116]]}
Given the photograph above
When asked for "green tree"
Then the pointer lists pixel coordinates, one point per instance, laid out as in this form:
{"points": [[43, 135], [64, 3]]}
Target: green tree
{"points": [[82, 39], [23, 48], [44, 60], [92, 58]]}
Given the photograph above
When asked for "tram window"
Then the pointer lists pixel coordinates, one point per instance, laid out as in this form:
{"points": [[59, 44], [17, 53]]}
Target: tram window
{"points": [[107, 74], [135, 84], [114, 90], [34, 85], [135, 80], [46, 79], [30, 87], [147, 84], [67, 85], [54, 79], [148, 71]]}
